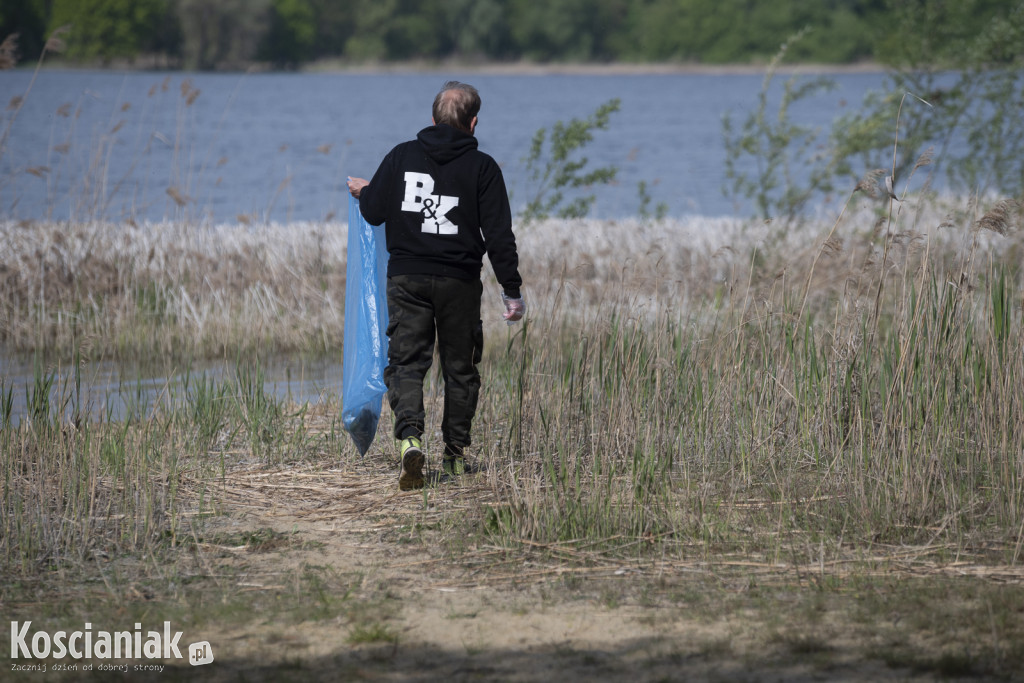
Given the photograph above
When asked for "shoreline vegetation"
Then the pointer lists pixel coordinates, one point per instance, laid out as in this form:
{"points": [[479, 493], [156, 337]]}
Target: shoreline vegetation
{"points": [[292, 33], [741, 410], [499, 68], [208, 290]]}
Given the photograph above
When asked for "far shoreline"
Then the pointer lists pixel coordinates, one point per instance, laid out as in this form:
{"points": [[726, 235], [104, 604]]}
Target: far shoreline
{"points": [[519, 68], [587, 68]]}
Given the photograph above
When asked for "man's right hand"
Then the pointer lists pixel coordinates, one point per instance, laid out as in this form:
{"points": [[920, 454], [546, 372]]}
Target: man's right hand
{"points": [[356, 185]]}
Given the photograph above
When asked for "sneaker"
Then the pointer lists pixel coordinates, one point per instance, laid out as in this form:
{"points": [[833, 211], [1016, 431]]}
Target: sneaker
{"points": [[454, 462], [412, 465], [453, 466]]}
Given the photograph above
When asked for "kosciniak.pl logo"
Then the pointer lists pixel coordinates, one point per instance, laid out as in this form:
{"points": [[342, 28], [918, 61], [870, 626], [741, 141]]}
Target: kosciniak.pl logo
{"points": [[97, 644]]}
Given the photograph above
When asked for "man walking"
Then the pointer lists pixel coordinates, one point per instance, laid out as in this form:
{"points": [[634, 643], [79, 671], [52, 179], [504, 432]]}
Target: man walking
{"points": [[444, 205]]}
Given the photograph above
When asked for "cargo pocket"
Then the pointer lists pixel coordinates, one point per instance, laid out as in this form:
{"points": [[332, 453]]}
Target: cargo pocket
{"points": [[394, 345], [478, 342]]}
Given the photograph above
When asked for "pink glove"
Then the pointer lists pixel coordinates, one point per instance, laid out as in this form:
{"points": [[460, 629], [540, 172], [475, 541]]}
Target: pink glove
{"points": [[515, 309]]}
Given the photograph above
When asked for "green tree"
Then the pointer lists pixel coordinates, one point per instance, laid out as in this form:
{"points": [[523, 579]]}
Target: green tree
{"points": [[335, 24], [27, 18], [221, 32], [108, 29], [777, 149], [477, 28], [564, 29], [951, 99], [723, 31], [417, 30], [942, 33], [555, 165], [218, 33], [398, 29], [662, 30], [369, 40], [291, 38], [957, 90]]}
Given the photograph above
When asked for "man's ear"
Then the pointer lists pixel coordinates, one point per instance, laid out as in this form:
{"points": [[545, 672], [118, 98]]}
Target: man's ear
{"points": [[472, 126]]}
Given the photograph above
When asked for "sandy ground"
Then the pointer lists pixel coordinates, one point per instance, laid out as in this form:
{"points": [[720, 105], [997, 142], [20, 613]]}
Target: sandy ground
{"points": [[405, 606]]}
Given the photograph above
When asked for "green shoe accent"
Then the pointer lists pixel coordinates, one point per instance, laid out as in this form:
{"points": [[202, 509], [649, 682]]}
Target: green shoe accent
{"points": [[412, 465], [455, 467]]}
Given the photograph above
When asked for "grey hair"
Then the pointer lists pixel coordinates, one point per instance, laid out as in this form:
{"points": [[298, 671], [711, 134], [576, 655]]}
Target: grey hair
{"points": [[456, 105]]}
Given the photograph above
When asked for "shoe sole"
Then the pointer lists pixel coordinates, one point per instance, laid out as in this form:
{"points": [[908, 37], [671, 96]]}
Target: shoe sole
{"points": [[412, 470]]}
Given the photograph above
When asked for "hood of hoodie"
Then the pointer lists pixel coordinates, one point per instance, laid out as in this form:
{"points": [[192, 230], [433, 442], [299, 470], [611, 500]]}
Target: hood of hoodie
{"points": [[443, 143]]}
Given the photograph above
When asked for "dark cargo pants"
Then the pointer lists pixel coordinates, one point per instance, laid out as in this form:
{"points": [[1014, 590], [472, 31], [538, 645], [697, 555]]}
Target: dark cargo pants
{"points": [[421, 307]]}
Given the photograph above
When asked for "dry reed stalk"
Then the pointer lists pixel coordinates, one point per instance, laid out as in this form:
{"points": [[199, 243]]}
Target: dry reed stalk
{"points": [[295, 274], [9, 52], [1001, 219]]}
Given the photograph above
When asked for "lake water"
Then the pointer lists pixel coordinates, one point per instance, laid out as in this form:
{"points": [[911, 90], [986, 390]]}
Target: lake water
{"points": [[279, 146], [112, 391]]}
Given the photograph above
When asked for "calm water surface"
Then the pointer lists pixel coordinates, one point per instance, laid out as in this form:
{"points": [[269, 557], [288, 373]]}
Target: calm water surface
{"points": [[279, 146], [113, 391]]}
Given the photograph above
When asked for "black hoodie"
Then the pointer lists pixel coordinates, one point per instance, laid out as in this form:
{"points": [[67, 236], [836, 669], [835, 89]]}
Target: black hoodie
{"points": [[444, 205]]}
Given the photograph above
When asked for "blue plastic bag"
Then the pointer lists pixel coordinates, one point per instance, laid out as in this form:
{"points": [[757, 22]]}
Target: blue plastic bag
{"points": [[366, 320]]}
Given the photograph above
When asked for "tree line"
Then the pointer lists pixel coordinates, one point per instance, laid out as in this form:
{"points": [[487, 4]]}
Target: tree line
{"points": [[231, 34]]}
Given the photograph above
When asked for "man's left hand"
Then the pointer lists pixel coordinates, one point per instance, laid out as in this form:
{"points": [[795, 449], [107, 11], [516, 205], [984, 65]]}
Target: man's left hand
{"points": [[515, 309], [356, 185]]}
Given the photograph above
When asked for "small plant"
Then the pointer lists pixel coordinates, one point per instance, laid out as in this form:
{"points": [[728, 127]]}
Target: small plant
{"points": [[6, 404], [208, 403], [556, 169], [789, 172], [261, 414], [644, 210], [372, 633], [38, 398]]}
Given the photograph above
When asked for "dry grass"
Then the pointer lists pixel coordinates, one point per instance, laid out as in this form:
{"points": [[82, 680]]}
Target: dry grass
{"points": [[166, 289], [830, 404], [860, 379]]}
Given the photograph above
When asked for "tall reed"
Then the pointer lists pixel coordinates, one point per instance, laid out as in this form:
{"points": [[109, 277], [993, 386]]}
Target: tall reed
{"points": [[856, 386], [679, 387], [170, 290]]}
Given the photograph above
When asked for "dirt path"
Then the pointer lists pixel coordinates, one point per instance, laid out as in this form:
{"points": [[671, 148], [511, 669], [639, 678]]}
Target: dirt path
{"points": [[342, 577]]}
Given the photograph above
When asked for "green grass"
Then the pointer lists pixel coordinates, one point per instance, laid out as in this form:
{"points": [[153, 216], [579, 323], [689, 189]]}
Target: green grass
{"points": [[372, 633]]}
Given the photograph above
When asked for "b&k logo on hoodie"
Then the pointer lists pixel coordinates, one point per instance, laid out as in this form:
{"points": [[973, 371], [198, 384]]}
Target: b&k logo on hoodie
{"points": [[419, 198]]}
